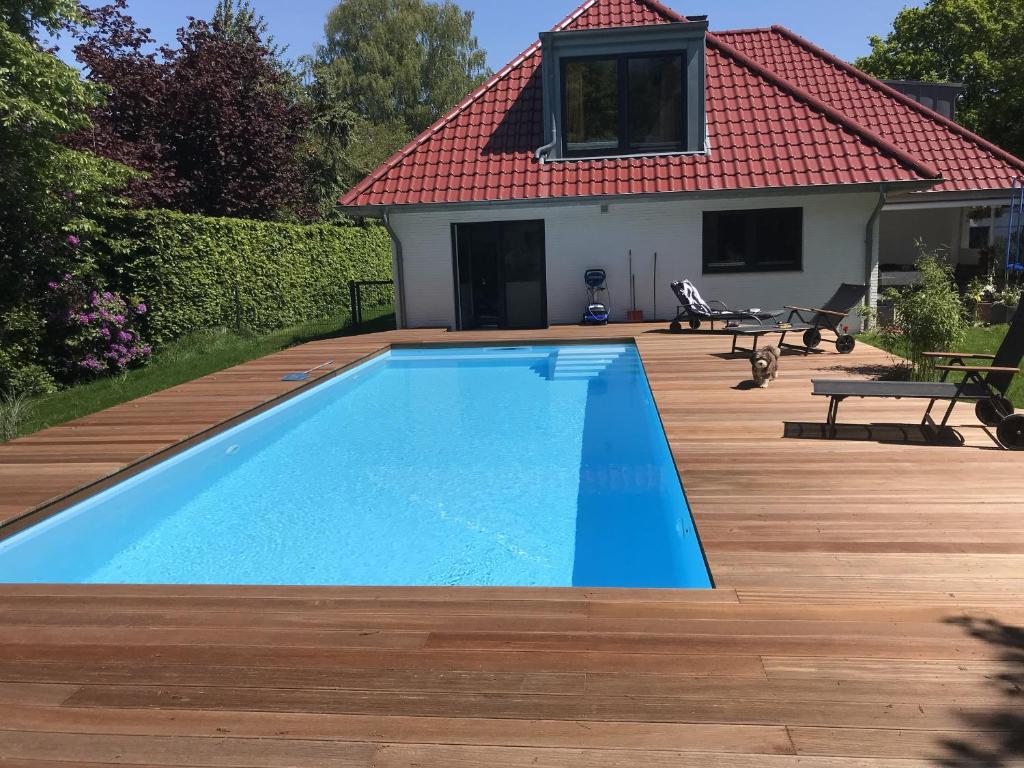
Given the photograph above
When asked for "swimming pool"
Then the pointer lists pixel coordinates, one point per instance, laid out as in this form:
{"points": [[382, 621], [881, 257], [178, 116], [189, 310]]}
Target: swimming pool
{"points": [[510, 466]]}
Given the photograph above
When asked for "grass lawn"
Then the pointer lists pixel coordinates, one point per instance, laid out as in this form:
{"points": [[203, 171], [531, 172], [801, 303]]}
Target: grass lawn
{"points": [[979, 339], [188, 358]]}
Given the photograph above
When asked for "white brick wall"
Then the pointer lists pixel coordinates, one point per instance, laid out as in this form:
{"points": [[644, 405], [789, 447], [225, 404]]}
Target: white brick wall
{"points": [[579, 236]]}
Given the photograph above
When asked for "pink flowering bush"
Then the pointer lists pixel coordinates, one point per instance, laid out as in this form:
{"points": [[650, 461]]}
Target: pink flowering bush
{"points": [[93, 331]]}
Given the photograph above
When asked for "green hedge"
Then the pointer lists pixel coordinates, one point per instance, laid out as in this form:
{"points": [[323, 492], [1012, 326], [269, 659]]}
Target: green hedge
{"points": [[198, 272]]}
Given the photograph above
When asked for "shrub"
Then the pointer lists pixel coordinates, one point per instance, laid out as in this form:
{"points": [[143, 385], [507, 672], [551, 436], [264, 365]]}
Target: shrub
{"points": [[21, 334], [93, 330], [929, 316], [199, 272]]}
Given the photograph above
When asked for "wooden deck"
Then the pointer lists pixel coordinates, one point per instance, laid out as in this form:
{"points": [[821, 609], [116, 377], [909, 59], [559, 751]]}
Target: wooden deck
{"points": [[870, 609]]}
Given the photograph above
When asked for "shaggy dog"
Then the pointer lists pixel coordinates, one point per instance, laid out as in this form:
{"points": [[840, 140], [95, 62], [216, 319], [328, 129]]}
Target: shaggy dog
{"points": [[765, 365]]}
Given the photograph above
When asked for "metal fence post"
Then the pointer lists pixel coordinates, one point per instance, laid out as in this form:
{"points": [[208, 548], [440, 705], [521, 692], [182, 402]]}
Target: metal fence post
{"points": [[353, 298]]}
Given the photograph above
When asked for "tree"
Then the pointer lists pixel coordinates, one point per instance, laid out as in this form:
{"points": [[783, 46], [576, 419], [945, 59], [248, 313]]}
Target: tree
{"points": [[386, 70], [979, 43], [236, 20], [215, 121], [53, 198]]}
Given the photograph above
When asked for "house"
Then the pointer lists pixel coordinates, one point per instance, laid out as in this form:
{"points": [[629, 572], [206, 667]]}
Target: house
{"points": [[632, 139]]}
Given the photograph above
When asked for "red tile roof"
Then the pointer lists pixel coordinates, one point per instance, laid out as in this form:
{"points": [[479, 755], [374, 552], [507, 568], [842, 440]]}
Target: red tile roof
{"points": [[966, 161], [764, 130]]}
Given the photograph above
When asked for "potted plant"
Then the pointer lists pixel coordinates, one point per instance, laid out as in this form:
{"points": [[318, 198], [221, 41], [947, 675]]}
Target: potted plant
{"points": [[1005, 308], [981, 295]]}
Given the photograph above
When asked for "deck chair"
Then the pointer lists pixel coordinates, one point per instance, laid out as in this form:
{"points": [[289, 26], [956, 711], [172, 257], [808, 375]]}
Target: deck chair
{"points": [[984, 384], [810, 322], [695, 311]]}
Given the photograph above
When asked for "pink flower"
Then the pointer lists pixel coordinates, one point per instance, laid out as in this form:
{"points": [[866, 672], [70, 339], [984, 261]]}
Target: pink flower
{"points": [[140, 308], [119, 319], [73, 241]]}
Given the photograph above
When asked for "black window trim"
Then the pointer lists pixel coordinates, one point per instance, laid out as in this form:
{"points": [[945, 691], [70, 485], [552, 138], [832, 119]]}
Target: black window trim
{"points": [[622, 62], [749, 266]]}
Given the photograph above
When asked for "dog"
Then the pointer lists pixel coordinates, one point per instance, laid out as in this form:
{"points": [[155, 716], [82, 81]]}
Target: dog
{"points": [[764, 364]]}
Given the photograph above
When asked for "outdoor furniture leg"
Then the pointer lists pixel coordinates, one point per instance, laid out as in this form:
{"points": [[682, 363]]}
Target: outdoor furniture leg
{"points": [[833, 415]]}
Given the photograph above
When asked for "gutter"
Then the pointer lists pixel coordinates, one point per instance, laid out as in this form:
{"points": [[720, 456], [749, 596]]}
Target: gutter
{"points": [[396, 247], [869, 240]]}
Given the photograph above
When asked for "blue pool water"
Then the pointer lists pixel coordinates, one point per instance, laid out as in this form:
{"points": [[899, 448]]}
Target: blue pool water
{"points": [[521, 466]]}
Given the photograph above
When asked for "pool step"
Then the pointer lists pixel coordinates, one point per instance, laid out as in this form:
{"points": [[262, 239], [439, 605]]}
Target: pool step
{"points": [[585, 363]]}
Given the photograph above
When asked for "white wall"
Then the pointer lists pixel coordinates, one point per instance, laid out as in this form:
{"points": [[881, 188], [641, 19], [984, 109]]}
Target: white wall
{"points": [[580, 236]]}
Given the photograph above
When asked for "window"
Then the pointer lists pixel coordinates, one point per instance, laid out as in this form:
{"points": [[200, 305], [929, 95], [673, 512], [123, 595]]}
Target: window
{"points": [[978, 235], [765, 240], [623, 104], [592, 105], [655, 103]]}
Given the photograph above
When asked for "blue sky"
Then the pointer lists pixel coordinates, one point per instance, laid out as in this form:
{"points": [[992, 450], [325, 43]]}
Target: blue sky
{"points": [[505, 28]]}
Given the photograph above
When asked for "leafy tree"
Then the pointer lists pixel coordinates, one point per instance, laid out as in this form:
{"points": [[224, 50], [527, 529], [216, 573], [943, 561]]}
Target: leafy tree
{"points": [[53, 198], [341, 146], [236, 20], [215, 121], [386, 70], [979, 43]]}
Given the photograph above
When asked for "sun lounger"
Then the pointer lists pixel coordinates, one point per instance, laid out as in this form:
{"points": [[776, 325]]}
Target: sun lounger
{"points": [[984, 384], [695, 311], [809, 322]]}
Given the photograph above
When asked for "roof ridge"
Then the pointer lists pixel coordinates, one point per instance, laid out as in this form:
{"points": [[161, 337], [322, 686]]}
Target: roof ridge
{"points": [[920, 167], [888, 90], [742, 30], [414, 143]]}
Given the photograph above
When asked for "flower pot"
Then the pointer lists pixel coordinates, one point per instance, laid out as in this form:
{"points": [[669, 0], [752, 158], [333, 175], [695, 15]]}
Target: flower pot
{"points": [[984, 310], [635, 315], [1000, 314]]}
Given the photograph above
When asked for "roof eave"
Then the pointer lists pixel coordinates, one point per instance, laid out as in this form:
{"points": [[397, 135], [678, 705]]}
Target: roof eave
{"points": [[376, 211]]}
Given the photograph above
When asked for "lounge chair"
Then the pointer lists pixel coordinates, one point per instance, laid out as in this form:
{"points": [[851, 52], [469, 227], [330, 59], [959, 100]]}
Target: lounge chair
{"points": [[811, 322], [695, 311], [985, 384]]}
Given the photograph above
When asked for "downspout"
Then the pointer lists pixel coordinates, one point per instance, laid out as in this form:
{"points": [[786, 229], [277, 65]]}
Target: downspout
{"points": [[396, 246], [542, 152], [869, 243]]}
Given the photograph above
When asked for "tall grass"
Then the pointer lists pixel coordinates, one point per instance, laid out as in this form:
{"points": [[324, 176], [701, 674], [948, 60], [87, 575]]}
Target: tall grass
{"points": [[14, 411]]}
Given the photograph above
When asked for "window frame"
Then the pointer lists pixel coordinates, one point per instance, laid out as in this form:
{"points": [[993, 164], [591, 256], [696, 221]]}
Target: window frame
{"points": [[750, 264], [624, 148]]}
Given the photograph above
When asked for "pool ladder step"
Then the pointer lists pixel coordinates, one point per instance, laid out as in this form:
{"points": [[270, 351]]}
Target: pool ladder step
{"points": [[586, 363]]}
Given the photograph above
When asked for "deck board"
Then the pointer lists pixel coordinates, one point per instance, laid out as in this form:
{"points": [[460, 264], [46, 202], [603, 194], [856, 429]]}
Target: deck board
{"points": [[868, 614]]}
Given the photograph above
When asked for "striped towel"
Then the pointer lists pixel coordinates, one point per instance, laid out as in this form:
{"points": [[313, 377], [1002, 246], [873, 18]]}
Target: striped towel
{"points": [[697, 305]]}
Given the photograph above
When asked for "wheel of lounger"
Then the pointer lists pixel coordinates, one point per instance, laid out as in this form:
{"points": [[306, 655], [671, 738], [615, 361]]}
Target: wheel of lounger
{"points": [[1011, 432], [675, 326], [695, 323], [845, 344], [812, 338], [992, 410]]}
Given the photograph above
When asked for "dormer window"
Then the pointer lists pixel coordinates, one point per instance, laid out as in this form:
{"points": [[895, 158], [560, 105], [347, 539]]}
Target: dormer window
{"points": [[624, 91], [627, 104]]}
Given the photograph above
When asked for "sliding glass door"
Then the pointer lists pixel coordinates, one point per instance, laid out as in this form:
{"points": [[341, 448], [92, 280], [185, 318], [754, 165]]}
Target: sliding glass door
{"points": [[500, 275]]}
